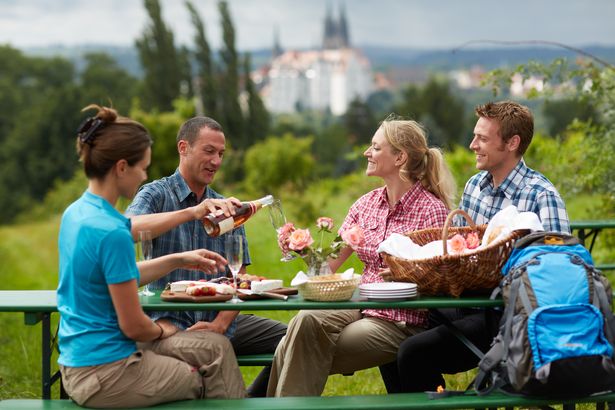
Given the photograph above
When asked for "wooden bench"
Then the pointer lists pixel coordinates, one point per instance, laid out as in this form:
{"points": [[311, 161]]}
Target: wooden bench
{"points": [[408, 401]]}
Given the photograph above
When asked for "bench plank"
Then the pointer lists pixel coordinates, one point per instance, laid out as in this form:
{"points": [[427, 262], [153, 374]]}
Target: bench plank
{"points": [[400, 401]]}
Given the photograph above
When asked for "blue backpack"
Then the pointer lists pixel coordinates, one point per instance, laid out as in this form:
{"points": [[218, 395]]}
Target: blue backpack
{"points": [[557, 331]]}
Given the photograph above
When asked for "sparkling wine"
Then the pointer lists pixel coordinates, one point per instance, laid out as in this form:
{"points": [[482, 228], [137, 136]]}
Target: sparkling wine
{"points": [[217, 224]]}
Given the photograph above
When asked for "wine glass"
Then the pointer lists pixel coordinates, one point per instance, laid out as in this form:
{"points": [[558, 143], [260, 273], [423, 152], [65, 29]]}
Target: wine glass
{"points": [[145, 249], [233, 247], [278, 220]]}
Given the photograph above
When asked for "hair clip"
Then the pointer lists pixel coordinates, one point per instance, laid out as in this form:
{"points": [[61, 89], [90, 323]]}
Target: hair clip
{"points": [[87, 129]]}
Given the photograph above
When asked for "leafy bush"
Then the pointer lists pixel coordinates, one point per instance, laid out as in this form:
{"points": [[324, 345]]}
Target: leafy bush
{"points": [[278, 164]]}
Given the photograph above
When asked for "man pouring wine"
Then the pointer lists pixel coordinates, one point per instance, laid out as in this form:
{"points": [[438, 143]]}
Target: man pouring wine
{"points": [[186, 197]]}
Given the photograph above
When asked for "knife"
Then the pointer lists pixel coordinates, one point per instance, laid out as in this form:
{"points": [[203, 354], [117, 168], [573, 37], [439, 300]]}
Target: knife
{"points": [[265, 294]]}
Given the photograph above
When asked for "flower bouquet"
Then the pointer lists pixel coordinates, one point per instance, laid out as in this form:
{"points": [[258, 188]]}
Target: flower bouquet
{"points": [[315, 253]]}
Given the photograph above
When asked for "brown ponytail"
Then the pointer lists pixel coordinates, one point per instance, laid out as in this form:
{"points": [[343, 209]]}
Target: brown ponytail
{"points": [[106, 138]]}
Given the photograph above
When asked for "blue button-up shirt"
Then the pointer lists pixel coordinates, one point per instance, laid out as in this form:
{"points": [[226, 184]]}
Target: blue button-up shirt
{"points": [[525, 188], [171, 194]]}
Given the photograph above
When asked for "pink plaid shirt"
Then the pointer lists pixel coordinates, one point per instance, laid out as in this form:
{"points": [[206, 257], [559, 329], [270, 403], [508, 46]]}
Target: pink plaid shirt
{"points": [[417, 209]]}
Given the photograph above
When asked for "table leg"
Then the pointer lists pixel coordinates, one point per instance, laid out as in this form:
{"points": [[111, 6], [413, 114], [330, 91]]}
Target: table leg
{"points": [[458, 334], [46, 355]]}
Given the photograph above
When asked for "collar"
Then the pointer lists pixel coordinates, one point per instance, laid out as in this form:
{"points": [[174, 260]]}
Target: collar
{"points": [[511, 184], [406, 199], [181, 189], [101, 203]]}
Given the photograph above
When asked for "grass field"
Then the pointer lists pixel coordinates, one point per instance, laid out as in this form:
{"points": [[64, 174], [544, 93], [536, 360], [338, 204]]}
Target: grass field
{"points": [[28, 258]]}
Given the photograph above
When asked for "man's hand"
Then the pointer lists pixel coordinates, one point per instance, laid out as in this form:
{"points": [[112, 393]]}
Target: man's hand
{"points": [[226, 206], [211, 326]]}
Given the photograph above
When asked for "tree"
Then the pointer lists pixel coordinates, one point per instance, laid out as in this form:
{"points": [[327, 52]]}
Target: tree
{"points": [[231, 114], [206, 89], [591, 81], [160, 61], [277, 164], [257, 121], [438, 109], [38, 146], [104, 82], [360, 122]]}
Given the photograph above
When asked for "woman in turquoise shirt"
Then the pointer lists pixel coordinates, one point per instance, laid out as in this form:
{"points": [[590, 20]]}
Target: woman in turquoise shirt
{"points": [[101, 319]]}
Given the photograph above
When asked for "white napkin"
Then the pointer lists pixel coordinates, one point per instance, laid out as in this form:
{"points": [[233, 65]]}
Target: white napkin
{"points": [[400, 246], [301, 278], [510, 219]]}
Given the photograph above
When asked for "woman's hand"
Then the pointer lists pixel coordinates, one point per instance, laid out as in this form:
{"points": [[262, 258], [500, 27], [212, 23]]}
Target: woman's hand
{"points": [[226, 206], [202, 259], [386, 274], [168, 329]]}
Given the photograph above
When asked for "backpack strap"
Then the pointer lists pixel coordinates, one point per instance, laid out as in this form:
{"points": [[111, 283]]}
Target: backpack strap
{"points": [[601, 302]]}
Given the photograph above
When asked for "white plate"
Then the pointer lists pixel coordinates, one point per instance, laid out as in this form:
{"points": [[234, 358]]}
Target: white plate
{"points": [[389, 296], [388, 292], [388, 286]]}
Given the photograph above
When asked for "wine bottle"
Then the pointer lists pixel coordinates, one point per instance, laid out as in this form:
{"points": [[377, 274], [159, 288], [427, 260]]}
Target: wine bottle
{"points": [[216, 224]]}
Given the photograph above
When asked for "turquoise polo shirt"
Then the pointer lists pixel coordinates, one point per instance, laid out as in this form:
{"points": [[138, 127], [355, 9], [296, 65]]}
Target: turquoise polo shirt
{"points": [[96, 250]]}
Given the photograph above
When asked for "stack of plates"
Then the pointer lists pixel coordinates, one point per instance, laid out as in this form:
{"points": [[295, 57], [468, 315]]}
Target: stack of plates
{"points": [[387, 291]]}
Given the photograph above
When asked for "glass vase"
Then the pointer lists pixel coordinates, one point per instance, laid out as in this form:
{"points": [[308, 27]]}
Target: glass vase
{"points": [[317, 266]]}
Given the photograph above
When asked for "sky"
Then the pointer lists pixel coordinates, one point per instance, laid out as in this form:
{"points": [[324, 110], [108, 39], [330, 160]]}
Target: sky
{"points": [[422, 24]]}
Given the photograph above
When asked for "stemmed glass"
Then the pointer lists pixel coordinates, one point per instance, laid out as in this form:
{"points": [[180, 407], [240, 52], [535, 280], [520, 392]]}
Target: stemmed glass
{"points": [[233, 247], [278, 220], [145, 249]]}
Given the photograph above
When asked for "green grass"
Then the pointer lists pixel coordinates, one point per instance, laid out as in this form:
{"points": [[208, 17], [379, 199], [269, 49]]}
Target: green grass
{"points": [[28, 260]]}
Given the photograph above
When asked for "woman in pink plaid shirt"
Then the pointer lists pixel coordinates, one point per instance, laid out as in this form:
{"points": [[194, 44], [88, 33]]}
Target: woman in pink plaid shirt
{"points": [[417, 194]]}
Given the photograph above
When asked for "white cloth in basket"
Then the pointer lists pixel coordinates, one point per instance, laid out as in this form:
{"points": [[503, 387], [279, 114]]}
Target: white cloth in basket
{"points": [[501, 225]]}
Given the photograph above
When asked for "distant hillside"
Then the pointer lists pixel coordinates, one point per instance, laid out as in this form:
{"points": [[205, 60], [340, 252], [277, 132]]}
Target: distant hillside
{"points": [[489, 58], [382, 58]]}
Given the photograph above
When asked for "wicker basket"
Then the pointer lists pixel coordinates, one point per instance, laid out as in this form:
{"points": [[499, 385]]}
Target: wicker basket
{"points": [[452, 274], [322, 289]]}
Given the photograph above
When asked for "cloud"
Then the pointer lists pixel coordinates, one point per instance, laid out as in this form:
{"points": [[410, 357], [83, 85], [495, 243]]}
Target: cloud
{"points": [[400, 23]]}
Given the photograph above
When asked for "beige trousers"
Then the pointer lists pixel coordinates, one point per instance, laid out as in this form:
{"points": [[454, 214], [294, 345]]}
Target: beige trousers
{"points": [[323, 342], [187, 365]]}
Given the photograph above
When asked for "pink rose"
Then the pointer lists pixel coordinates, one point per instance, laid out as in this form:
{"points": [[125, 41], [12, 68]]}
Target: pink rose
{"points": [[300, 239], [472, 240], [284, 236], [353, 236], [325, 223], [457, 244]]}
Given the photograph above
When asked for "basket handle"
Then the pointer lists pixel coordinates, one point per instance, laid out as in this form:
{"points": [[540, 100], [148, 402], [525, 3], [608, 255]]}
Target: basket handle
{"points": [[447, 223]]}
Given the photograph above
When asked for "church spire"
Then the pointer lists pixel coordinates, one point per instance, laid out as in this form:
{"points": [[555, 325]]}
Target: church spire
{"points": [[277, 48], [343, 27], [336, 32]]}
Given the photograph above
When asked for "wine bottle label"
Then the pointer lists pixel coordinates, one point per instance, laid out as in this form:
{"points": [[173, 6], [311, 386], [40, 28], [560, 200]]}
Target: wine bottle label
{"points": [[226, 225]]}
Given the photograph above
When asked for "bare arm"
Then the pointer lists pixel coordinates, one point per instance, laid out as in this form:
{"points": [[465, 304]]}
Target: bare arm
{"points": [[162, 222], [133, 322], [345, 253], [200, 259]]}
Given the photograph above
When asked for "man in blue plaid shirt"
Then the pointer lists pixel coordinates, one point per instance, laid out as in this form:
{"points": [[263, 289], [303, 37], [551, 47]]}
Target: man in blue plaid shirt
{"points": [[180, 202], [502, 134]]}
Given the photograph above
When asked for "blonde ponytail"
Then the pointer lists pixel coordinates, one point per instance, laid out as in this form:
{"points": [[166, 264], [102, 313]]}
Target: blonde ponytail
{"points": [[438, 178], [425, 165]]}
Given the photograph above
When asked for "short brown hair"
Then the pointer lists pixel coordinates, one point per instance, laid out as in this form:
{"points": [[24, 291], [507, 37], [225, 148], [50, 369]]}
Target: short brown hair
{"points": [[189, 131], [107, 138], [514, 119]]}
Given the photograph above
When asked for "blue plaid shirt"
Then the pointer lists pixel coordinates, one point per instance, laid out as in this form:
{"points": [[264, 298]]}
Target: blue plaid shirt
{"points": [[171, 194], [525, 188]]}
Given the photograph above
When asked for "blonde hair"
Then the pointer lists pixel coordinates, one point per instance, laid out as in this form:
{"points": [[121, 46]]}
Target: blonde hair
{"points": [[425, 165]]}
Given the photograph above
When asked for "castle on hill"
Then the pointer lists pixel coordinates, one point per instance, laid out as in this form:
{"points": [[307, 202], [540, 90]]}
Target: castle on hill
{"points": [[325, 79]]}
